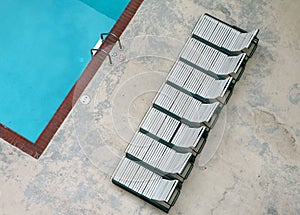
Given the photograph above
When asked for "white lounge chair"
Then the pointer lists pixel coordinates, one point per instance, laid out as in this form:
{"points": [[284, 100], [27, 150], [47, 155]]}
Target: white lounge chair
{"points": [[172, 132], [146, 184], [186, 108], [159, 157], [223, 35], [212, 61], [205, 87]]}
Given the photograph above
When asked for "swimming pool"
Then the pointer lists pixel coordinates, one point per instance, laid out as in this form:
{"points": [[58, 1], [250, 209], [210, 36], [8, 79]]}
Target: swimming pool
{"points": [[45, 48]]}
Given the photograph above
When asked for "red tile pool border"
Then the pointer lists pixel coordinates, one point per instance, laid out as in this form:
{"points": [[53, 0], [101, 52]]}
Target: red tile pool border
{"points": [[36, 149]]}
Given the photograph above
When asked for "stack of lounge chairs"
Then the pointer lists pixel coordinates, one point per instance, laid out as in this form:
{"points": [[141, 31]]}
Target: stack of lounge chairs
{"points": [[174, 130]]}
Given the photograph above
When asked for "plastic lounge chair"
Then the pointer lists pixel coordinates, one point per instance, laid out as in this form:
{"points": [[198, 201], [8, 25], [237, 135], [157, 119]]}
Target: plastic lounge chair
{"points": [[173, 133], [160, 158], [204, 87], [224, 36], [146, 184], [212, 61], [186, 108]]}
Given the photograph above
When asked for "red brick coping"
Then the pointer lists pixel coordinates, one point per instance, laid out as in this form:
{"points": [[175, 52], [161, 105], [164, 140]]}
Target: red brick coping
{"points": [[37, 148]]}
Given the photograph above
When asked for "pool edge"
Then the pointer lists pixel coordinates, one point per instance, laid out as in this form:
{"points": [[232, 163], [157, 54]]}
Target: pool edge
{"points": [[36, 149]]}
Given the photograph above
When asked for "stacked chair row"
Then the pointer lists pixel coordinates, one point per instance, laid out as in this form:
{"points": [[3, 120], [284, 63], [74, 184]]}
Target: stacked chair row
{"points": [[174, 130]]}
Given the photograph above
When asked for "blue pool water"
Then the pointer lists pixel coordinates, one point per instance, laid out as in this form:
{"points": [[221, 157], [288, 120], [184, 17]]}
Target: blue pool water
{"points": [[45, 46]]}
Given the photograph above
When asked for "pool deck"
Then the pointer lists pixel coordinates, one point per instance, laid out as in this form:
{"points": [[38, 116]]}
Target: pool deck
{"points": [[255, 168]]}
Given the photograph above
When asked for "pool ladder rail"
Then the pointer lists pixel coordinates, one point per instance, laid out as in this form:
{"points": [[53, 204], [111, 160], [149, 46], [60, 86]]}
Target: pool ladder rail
{"points": [[99, 43]]}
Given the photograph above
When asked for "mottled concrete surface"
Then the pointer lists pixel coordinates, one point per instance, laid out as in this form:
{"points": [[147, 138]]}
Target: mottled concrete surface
{"points": [[255, 169]]}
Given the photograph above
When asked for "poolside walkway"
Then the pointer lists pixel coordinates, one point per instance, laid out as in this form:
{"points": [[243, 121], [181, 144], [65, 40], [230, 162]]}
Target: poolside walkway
{"points": [[255, 168]]}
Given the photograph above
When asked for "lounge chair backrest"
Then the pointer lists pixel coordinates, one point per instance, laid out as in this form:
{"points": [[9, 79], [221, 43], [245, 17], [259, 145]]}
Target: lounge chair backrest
{"points": [[210, 59], [143, 181], [184, 106], [160, 124], [197, 82], [222, 34], [172, 130], [187, 135], [157, 155]]}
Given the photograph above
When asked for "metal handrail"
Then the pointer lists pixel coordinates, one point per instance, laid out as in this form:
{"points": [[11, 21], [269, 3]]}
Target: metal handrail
{"points": [[115, 36], [107, 54]]}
